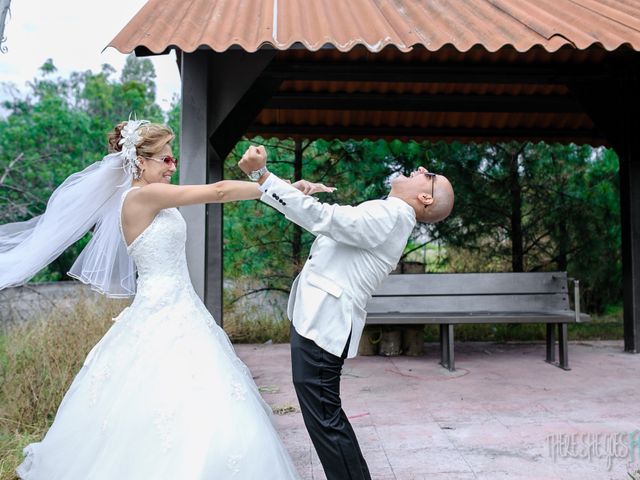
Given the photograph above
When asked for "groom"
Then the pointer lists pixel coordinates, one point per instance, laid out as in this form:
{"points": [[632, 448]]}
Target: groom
{"points": [[355, 250]]}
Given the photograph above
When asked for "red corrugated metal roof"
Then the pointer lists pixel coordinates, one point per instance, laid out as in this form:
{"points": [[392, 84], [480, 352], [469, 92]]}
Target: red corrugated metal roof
{"points": [[375, 24]]}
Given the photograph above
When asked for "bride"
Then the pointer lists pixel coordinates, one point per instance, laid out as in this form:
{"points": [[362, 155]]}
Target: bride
{"points": [[162, 395]]}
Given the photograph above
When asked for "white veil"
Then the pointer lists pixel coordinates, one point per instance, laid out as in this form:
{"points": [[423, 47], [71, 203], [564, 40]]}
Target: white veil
{"points": [[86, 199]]}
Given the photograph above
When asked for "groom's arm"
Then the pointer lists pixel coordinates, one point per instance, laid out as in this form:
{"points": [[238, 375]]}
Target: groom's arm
{"points": [[366, 226]]}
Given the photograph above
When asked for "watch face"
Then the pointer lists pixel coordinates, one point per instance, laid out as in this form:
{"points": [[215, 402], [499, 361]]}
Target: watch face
{"points": [[256, 174]]}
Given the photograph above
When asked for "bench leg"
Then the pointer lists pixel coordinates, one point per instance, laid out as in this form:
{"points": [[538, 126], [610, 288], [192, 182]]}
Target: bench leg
{"points": [[446, 347], [551, 343], [563, 345], [443, 345], [450, 358]]}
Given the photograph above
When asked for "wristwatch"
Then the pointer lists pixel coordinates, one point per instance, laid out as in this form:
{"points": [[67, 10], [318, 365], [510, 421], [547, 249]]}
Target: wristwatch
{"points": [[256, 174]]}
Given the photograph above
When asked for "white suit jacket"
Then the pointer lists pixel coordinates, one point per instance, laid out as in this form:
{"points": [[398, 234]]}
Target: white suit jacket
{"points": [[355, 250]]}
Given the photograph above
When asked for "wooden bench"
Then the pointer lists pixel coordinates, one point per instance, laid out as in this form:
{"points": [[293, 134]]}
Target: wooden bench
{"points": [[447, 299]]}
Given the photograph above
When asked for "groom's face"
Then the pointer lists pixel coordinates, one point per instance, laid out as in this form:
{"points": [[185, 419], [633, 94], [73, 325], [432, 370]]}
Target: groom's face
{"points": [[416, 183], [431, 196]]}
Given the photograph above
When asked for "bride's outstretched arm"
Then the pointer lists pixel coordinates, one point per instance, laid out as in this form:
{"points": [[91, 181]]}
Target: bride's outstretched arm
{"points": [[158, 196], [161, 195]]}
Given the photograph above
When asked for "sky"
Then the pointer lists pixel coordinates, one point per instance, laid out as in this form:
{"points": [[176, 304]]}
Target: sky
{"points": [[73, 33]]}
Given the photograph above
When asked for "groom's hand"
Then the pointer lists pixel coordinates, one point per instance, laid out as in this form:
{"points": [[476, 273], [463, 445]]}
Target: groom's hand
{"points": [[253, 159], [309, 188]]}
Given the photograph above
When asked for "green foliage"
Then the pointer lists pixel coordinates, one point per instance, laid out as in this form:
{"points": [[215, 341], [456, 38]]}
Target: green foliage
{"points": [[531, 207], [61, 127], [173, 120], [520, 207]]}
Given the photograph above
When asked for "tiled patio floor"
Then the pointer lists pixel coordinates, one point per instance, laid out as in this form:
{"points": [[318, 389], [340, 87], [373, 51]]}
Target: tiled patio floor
{"points": [[501, 415]]}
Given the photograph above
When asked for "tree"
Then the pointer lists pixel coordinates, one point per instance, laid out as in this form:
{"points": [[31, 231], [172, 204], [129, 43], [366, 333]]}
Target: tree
{"points": [[4, 11], [141, 71], [534, 204], [60, 128]]}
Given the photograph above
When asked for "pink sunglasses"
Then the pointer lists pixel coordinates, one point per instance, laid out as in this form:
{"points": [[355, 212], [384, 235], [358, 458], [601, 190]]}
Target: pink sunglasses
{"points": [[167, 160]]}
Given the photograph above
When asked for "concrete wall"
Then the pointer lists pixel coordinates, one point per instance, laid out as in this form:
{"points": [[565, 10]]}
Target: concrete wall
{"points": [[34, 300]]}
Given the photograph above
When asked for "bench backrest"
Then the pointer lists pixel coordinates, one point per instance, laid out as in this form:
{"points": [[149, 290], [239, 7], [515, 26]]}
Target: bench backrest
{"points": [[472, 292]]}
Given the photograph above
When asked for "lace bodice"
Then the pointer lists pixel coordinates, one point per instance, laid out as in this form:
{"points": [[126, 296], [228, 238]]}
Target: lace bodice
{"points": [[159, 253]]}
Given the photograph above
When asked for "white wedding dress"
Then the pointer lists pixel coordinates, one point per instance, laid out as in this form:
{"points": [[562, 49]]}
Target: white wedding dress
{"points": [[162, 395]]}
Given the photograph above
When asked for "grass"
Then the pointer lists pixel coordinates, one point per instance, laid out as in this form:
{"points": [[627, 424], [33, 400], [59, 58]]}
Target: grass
{"points": [[254, 321], [256, 329], [11, 445], [38, 360]]}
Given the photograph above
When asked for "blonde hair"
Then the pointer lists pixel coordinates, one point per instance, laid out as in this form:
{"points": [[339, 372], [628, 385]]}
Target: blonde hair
{"points": [[153, 136]]}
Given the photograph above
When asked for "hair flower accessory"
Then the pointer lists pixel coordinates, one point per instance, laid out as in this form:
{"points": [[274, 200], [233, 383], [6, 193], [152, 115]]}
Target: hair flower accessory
{"points": [[129, 141]]}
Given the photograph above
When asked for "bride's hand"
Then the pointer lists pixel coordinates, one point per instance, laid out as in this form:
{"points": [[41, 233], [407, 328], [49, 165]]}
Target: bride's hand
{"points": [[309, 188]]}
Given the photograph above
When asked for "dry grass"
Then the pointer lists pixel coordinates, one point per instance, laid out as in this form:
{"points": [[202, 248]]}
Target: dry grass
{"points": [[38, 361], [284, 409], [251, 321], [256, 330]]}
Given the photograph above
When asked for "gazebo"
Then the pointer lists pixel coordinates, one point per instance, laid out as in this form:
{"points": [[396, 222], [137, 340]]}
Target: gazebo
{"points": [[469, 70]]}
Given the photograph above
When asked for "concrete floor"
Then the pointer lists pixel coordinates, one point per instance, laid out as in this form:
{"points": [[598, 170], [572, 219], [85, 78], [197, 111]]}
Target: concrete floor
{"points": [[505, 413]]}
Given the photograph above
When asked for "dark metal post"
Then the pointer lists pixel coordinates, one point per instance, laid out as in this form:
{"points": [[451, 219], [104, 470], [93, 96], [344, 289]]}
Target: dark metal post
{"points": [[194, 154], [551, 343]]}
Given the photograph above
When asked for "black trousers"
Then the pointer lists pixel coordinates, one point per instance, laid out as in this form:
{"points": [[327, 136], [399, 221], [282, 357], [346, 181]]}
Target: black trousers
{"points": [[316, 377]]}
